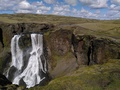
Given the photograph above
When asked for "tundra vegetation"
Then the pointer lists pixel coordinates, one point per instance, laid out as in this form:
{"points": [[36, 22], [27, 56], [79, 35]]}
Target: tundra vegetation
{"points": [[82, 54]]}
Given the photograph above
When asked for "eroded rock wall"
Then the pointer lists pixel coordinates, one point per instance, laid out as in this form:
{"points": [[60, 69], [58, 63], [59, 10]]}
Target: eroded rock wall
{"points": [[64, 50], [67, 51], [7, 31]]}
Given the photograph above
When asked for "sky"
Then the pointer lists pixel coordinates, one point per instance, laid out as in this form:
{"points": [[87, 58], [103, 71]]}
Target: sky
{"points": [[93, 9]]}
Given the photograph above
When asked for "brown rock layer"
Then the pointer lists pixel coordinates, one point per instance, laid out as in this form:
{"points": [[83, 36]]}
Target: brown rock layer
{"points": [[64, 50]]}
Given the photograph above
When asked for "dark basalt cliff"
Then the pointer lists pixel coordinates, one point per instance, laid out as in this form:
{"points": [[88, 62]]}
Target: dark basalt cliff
{"points": [[65, 51]]}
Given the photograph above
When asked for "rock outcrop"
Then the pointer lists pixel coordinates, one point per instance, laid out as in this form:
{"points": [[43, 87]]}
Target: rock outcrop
{"points": [[4, 81], [67, 51], [64, 50], [5, 84]]}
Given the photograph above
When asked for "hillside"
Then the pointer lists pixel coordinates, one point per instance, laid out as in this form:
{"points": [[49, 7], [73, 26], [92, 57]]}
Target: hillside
{"points": [[101, 28], [81, 53]]}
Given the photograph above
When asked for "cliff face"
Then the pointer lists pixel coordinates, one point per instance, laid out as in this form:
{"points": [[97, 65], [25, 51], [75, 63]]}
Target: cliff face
{"points": [[67, 51], [64, 50]]}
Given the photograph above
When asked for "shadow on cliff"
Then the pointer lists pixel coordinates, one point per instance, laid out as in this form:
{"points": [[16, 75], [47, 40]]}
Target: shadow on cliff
{"points": [[1, 37]]}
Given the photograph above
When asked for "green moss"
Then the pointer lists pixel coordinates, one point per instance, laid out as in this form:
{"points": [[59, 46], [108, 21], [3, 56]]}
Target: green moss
{"points": [[96, 77], [11, 87]]}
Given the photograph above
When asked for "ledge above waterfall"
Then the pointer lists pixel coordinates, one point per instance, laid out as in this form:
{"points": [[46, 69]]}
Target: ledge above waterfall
{"points": [[23, 33]]}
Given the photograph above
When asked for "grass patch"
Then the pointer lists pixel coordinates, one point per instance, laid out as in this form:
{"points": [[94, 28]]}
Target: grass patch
{"points": [[101, 28], [96, 77]]}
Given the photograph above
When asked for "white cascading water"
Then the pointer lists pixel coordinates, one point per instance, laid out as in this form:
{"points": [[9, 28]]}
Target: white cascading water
{"points": [[31, 75], [17, 53]]}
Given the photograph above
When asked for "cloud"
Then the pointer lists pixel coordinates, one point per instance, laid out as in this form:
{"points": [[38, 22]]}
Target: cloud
{"points": [[71, 2], [8, 5], [100, 4], [85, 13], [64, 7], [25, 5], [61, 10], [38, 3], [87, 2], [97, 12], [49, 1], [95, 3], [88, 14], [43, 10], [23, 11], [114, 7], [35, 7], [117, 2], [112, 14]]}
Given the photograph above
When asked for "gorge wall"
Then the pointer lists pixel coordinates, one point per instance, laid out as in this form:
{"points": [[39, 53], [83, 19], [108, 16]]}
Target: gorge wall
{"points": [[65, 51]]}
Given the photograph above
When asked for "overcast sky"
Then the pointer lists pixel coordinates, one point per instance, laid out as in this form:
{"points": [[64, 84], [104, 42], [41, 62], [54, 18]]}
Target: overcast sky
{"points": [[96, 9]]}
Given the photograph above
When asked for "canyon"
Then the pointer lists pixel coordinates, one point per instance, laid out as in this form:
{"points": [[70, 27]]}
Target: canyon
{"points": [[67, 48]]}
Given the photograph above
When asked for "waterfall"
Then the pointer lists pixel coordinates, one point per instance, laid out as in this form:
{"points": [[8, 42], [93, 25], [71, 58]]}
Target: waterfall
{"points": [[31, 71]]}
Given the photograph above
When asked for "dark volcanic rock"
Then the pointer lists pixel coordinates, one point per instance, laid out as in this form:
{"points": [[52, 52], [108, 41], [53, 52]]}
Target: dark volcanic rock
{"points": [[8, 30], [91, 50], [4, 81], [64, 50], [82, 50], [5, 59], [60, 54], [103, 50], [60, 42]]}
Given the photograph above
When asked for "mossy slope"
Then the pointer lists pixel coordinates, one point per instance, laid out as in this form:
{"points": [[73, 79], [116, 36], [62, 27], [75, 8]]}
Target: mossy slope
{"points": [[96, 77]]}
